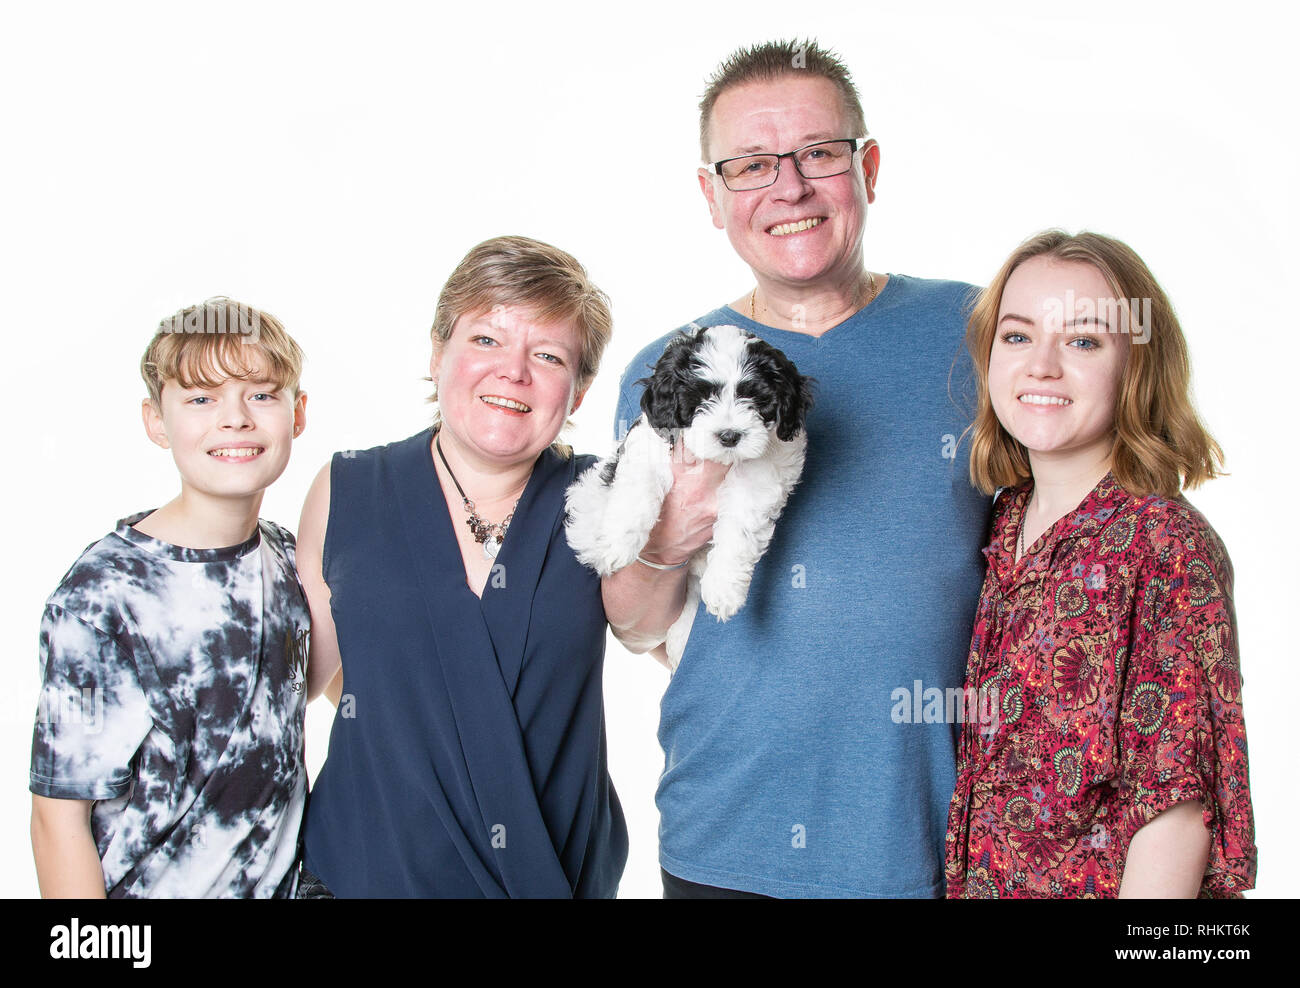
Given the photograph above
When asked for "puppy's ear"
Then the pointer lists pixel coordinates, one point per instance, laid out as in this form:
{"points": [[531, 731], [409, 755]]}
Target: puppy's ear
{"points": [[796, 401], [663, 398]]}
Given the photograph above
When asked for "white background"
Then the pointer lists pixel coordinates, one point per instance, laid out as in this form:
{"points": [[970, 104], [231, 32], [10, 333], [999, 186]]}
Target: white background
{"points": [[332, 165]]}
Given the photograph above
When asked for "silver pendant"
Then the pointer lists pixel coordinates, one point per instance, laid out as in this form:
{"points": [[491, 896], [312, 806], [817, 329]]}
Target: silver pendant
{"points": [[490, 548]]}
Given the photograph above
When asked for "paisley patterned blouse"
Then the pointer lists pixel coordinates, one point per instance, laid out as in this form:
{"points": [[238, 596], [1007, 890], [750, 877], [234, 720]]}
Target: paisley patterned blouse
{"points": [[1105, 662]]}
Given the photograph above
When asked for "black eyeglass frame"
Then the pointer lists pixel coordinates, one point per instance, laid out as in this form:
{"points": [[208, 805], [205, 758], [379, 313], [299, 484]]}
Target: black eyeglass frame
{"points": [[855, 144]]}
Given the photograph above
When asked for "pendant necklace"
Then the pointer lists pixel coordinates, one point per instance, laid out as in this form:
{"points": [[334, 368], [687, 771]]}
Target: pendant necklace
{"points": [[871, 296], [487, 534]]}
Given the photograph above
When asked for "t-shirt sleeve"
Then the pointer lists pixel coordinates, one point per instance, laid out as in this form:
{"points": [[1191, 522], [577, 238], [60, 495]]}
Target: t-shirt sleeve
{"points": [[288, 542], [92, 715], [1181, 731], [628, 410]]}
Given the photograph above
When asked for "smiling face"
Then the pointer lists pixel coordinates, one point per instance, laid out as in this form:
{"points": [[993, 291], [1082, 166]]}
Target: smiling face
{"points": [[229, 441], [506, 382], [1057, 360], [803, 232]]}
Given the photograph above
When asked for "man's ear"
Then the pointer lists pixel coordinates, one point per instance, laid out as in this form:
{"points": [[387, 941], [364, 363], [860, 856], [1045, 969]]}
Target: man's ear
{"points": [[153, 423], [871, 167], [706, 186], [299, 414]]}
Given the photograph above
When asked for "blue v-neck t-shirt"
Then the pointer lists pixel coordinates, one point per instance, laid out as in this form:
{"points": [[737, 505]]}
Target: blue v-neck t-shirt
{"points": [[789, 769]]}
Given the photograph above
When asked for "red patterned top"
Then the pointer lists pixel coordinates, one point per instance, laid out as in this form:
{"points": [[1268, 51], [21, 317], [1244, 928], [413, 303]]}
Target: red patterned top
{"points": [[1106, 665]]}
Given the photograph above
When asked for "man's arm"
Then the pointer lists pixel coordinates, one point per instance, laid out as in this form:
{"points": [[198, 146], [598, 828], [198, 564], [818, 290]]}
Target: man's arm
{"points": [[67, 861], [1166, 858], [641, 603]]}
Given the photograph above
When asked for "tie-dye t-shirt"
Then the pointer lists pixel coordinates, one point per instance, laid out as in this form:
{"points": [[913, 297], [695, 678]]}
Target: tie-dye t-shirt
{"points": [[173, 696]]}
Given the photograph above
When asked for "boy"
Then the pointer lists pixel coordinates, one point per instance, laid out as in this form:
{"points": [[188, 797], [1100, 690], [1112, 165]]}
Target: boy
{"points": [[167, 756]]}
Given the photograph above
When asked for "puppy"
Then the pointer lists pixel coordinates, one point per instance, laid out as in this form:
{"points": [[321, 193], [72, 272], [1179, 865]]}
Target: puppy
{"points": [[728, 397]]}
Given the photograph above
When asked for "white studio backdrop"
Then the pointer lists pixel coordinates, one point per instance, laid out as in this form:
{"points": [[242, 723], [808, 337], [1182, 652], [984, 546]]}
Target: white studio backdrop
{"points": [[332, 162]]}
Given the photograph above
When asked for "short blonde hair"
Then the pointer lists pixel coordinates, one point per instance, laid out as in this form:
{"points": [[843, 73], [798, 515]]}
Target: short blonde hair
{"points": [[1160, 444], [774, 60], [528, 273], [205, 344], [547, 281]]}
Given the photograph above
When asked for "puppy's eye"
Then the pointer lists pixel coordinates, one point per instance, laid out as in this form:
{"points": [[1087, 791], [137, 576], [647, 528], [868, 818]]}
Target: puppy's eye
{"points": [[763, 401]]}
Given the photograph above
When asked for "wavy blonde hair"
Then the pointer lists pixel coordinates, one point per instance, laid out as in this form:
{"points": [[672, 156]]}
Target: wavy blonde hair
{"points": [[1161, 446]]}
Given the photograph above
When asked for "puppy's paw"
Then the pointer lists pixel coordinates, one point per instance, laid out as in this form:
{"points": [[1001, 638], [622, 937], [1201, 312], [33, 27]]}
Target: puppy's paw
{"points": [[723, 596], [621, 552]]}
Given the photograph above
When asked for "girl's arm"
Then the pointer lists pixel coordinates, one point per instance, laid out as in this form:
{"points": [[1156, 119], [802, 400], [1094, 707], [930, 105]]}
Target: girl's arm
{"points": [[1166, 858], [1182, 737]]}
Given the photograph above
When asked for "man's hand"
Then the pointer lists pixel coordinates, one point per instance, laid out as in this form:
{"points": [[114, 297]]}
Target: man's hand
{"points": [[642, 603], [689, 510]]}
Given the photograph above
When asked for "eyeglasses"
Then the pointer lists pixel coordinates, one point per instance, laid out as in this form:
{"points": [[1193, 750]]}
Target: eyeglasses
{"points": [[757, 171]]}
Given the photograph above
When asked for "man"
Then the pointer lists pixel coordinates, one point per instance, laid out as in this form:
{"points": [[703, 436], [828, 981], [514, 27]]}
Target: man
{"points": [[798, 756]]}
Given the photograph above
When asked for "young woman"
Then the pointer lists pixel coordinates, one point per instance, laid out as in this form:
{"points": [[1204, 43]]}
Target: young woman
{"points": [[1105, 640]]}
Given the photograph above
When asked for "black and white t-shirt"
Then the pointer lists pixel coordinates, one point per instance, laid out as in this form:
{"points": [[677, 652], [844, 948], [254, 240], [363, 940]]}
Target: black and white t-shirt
{"points": [[173, 694]]}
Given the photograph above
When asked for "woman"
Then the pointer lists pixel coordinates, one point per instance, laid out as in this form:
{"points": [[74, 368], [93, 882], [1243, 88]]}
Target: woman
{"points": [[468, 755], [1105, 642]]}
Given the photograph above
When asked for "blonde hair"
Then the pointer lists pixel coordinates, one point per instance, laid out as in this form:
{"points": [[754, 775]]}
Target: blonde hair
{"points": [[1160, 443], [205, 344], [545, 280]]}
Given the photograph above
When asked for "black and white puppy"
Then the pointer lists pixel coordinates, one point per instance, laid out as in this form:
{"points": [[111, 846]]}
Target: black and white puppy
{"points": [[728, 397]]}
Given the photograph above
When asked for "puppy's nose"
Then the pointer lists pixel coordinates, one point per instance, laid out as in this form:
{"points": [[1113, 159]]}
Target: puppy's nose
{"points": [[729, 437]]}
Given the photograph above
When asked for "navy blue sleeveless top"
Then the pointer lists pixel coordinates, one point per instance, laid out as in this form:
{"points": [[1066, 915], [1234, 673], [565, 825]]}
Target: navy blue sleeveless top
{"points": [[467, 758]]}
